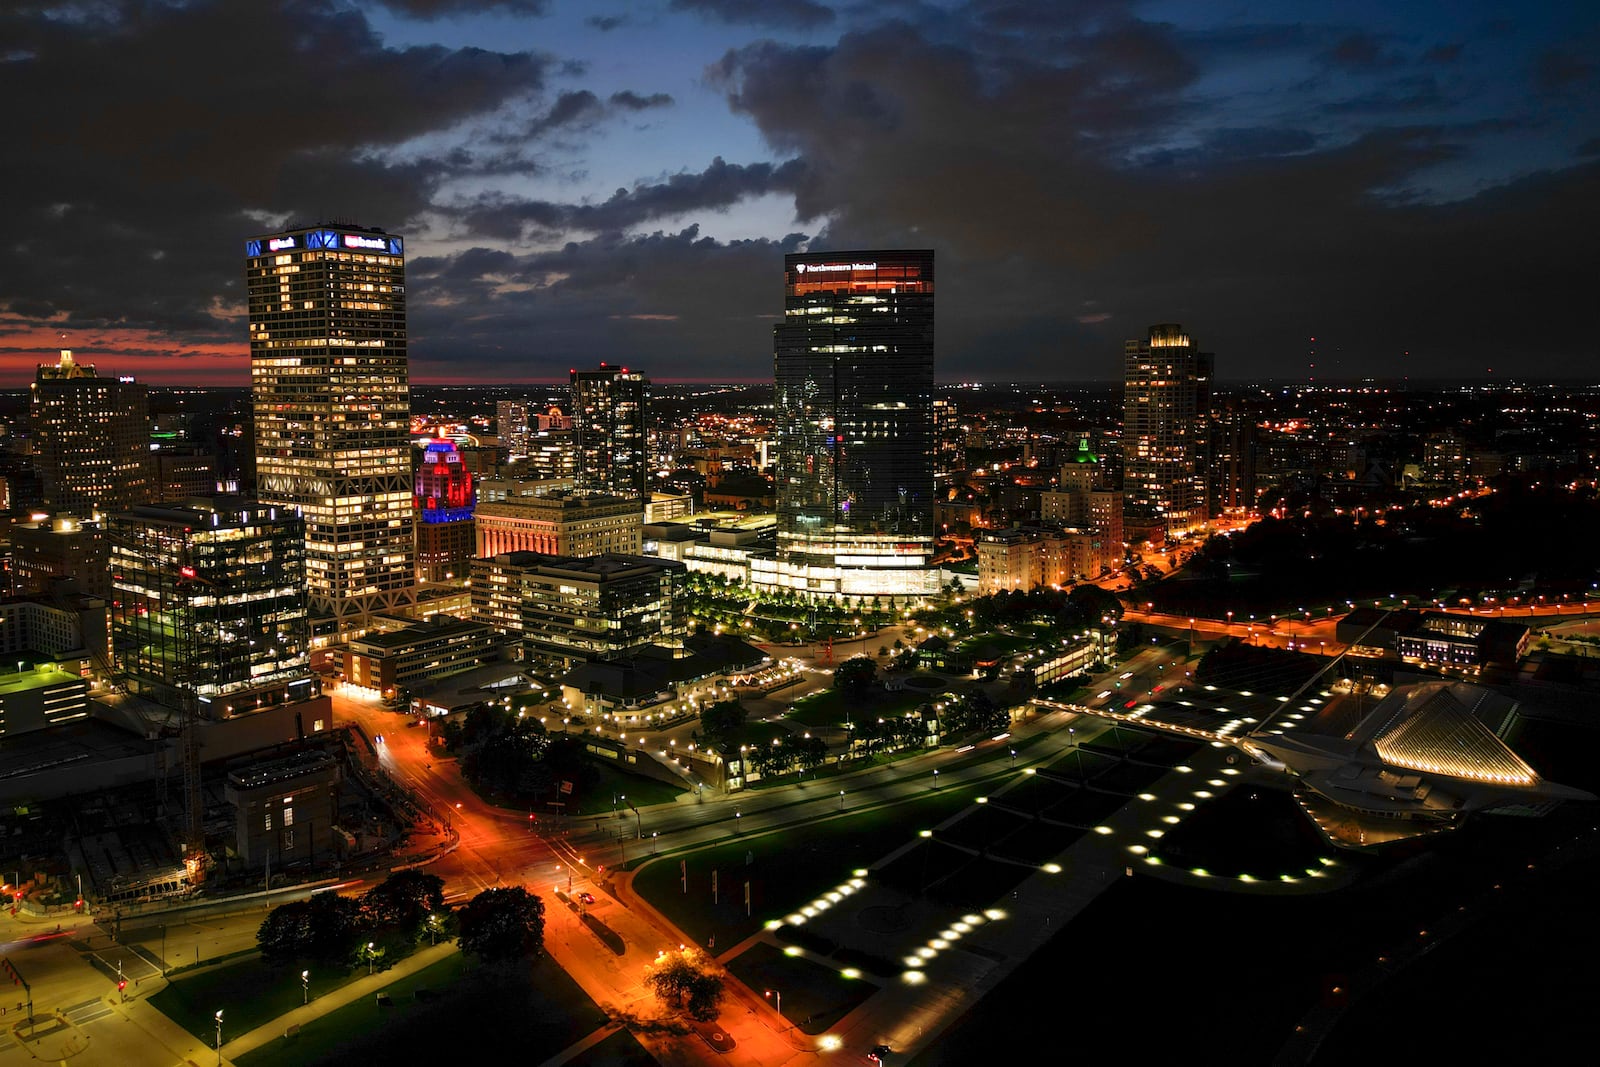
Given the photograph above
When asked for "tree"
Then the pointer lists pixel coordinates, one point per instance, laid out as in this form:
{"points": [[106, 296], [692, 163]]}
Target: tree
{"points": [[503, 924], [686, 981], [976, 712], [855, 676], [722, 721], [402, 902], [325, 927]]}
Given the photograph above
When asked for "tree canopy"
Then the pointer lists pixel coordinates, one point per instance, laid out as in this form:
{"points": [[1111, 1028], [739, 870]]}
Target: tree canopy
{"points": [[503, 924], [855, 675], [403, 902], [326, 928], [687, 981]]}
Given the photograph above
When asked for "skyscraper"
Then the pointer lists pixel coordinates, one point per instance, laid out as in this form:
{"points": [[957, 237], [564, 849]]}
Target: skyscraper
{"points": [[1165, 407], [853, 376], [608, 418], [332, 412], [91, 438]]}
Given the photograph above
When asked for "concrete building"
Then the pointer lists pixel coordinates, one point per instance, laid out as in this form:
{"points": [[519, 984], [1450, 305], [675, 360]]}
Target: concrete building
{"points": [[91, 438], [398, 661], [285, 810], [561, 524], [62, 546], [1166, 403], [446, 536]]}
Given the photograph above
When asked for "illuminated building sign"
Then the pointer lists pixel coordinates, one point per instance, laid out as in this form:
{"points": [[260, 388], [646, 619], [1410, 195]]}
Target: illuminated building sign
{"points": [[815, 268], [316, 239]]}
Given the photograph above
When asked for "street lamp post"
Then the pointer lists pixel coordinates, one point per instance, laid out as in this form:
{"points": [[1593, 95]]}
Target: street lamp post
{"points": [[778, 997], [219, 1037], [433, 929], [654, 834], [841, 800], [369, 958], [737, 825], [936, 778], [305, 987]]}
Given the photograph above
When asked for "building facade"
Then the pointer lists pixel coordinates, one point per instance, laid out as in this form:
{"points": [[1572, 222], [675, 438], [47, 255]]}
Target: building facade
{"points": [[446, 538], [208, 603], [560, 524], [609, 410], [62, 546], [1166, 403], [91, 438], [332, 412], [396, 662], [853, 377], [576, 609]]}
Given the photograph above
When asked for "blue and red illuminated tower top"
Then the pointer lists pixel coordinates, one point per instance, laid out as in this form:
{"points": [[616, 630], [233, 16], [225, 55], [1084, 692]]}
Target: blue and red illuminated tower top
{"points": [[444, 485]]}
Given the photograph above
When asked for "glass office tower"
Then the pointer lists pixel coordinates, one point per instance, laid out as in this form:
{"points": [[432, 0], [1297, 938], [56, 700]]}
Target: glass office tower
{"points": [[853, 372], [332, 412], [608, 416], [208, 602]]}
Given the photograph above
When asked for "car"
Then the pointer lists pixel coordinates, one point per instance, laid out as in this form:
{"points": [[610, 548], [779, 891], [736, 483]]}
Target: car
{"points": [[1103, 695], [1125, 676], [1131, 703], [587, 898], [877, 1052]]}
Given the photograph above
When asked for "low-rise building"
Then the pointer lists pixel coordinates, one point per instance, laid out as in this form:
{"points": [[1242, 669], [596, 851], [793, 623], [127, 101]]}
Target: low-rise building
{"points": [[571, 609], [285, 810], [395, 662]]}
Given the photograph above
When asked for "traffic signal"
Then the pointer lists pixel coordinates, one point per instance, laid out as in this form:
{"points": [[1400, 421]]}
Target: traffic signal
{"points": [[122, 983], [16, 979]]}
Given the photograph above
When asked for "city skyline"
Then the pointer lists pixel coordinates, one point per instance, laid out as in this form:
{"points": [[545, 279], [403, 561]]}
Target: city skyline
{"points": [[1323, 191]]}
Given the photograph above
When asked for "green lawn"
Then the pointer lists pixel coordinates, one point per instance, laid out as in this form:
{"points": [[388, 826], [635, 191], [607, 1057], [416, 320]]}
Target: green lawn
{"points": [[814, 997], [831, 709], [786, 868], [614, 781], [249, 991], [536, 1010]]}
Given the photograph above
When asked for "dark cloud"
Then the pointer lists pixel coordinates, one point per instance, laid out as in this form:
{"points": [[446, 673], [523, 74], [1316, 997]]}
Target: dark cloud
{"points": [[1444, 53], [607, 23], [677, 305], [435, 9], [1559, 70], [719, 186], [1360, 51], [781, 14], [570, 109], [159, 140], [632, 101], [1019, 176]]}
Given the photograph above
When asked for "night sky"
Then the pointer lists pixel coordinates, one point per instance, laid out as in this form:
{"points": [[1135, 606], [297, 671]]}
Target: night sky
{"points": [[1414, 184]]}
